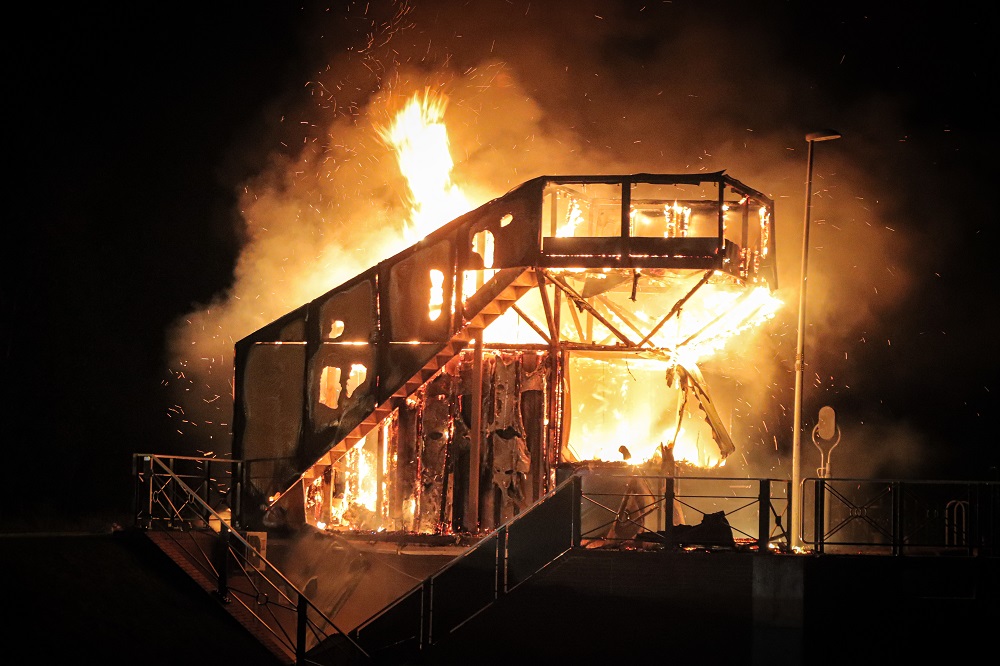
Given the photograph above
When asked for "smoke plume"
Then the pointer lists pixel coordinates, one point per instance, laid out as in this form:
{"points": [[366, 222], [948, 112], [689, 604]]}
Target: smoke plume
{"points": [[556, 88]]}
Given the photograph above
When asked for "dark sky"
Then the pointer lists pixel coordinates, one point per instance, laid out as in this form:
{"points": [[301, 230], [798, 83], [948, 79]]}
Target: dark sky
{"points": [[154, 143]]}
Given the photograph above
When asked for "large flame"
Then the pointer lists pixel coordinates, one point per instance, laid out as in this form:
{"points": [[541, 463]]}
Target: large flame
{"points": [[420, 139]]}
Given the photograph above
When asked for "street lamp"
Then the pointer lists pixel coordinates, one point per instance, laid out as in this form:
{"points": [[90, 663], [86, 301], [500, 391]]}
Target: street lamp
{"points": [[795, 516]]}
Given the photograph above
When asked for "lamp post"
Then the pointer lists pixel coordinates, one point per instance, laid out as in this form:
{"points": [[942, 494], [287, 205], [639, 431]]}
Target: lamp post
{"points": [[795, 517]]}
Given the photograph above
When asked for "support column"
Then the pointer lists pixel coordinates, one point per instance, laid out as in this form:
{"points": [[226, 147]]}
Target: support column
{"points": [[471, 521]]}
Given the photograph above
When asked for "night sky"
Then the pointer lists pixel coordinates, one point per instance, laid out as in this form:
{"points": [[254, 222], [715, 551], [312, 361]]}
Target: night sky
{"points": [[184, 173]]}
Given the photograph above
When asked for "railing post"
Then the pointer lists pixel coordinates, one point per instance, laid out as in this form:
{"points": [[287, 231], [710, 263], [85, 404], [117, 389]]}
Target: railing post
{"points": [[300, 629], [669, 496], [988, 501], [207, 483], [763, 515], [819, 515], [897, 517], [221, 561], [171, 494], [972, 535], [137, 477], [236, 497], [577, 491], [501, 562], [426, 611], [150, 481]]}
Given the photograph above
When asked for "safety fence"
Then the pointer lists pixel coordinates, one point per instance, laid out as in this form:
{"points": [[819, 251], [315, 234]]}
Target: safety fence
{"points": [[895, 517], [192, 503], [183, 503]]}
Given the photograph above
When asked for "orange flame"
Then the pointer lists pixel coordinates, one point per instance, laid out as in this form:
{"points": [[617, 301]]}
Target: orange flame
{"points": [[420, 139], [610, 411]]}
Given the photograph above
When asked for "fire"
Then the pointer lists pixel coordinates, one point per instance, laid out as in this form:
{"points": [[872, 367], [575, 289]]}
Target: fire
{"points": [[678, 220], [359, 503], [420, 139], [574, 217], [637, 402], [623, 405], [437, 294], [725, 314], [631, 403]]}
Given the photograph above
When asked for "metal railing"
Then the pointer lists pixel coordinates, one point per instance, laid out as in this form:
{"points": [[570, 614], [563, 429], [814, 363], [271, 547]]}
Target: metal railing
{"points": [[579, 510], [626, 510], [476, 579], [620, 508], [884, 516], [184, 491], [185, 499]]}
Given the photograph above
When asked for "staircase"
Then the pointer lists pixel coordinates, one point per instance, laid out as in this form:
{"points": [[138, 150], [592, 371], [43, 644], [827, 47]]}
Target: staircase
{"points": [[192, 552], [487, 305]]}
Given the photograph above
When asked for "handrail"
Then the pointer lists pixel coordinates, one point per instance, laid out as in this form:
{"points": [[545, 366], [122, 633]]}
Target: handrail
{"points": [[301, 606], [901, 516], [535, 538], [634, 508], [477, 578], [513, 553]]}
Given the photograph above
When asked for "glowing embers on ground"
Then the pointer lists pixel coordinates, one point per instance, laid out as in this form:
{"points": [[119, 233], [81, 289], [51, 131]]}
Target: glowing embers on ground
{"points": [[420, 138]]}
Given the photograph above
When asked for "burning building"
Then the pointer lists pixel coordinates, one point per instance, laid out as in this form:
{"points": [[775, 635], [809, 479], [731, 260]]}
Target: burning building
{"points": [[440, 391]]}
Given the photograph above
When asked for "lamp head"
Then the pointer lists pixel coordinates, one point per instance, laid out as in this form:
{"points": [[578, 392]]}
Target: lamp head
{"points": [[827, 425], [822, 135]]}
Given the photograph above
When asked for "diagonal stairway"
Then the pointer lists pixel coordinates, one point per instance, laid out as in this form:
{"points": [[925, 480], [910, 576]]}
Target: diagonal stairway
{"points": [[488, 304]]}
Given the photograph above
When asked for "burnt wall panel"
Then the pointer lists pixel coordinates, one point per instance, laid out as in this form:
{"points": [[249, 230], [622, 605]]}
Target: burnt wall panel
{"points": [[272, 408], [403, 484], [340, 375], [417, 293], [534, 372], [515, 223], [435, 444], [488, 492], [511, 461], [349, 314]]}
